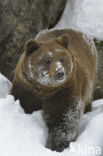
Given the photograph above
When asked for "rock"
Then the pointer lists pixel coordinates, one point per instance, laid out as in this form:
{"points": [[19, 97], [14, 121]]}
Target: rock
{"points": [[21, 20]]}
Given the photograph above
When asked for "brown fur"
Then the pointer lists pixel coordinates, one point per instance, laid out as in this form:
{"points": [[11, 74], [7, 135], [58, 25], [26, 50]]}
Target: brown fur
{"points": [[64, 103]]}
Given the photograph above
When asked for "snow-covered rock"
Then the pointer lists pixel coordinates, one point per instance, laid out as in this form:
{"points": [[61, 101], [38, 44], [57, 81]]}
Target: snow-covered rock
{"points": [[85, 16]]}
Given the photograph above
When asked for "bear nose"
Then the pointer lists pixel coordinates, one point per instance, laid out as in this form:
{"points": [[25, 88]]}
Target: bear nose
{"points": [[60, 73]]}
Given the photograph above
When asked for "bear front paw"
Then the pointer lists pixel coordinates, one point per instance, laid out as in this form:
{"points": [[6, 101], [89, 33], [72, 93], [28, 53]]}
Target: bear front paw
{"points": [[57, 145], [57, 142]]}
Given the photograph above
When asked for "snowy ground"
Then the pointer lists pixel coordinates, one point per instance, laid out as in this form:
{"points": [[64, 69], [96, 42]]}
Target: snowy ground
{"points": [[25, 135]]}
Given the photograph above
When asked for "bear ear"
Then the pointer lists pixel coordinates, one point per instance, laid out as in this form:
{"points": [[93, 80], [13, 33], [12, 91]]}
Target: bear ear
{"points": [[30, 46], [64, 40]]}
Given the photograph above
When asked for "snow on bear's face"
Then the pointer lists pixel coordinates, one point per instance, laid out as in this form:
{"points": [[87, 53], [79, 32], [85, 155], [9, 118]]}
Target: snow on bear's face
{"points": [[48, 63]]}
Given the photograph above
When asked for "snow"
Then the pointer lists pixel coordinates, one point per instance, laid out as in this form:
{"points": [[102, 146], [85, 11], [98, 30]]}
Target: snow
{"points": [[20, 134], [41, 32], [90, 43], [43, 76], [25, 134], [58, 65], [71, 68], [50, 54], [59, 50], [5, 86], [84, 15], [30, 67]]}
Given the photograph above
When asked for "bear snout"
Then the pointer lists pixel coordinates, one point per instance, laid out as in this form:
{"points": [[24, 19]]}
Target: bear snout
{"points": [[59, 73]]}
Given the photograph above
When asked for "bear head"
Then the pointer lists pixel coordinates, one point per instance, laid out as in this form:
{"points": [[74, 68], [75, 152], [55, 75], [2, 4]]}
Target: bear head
{"points": [[48, 64]]}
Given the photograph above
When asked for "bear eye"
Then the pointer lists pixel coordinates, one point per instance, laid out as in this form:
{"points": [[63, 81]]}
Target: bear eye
{"points": [[47, 61], [62, 60]]}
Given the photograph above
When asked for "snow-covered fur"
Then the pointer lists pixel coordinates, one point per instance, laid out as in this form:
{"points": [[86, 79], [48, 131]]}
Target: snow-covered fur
{"points": [[57, 72]]}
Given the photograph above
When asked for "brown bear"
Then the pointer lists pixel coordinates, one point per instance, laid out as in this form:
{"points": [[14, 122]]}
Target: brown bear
{"points": [[57, 73]]}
